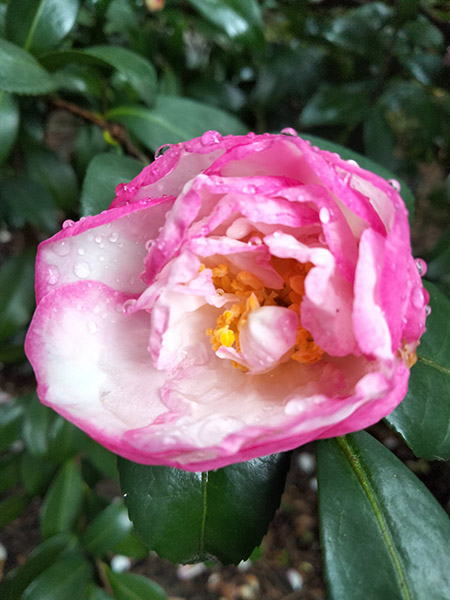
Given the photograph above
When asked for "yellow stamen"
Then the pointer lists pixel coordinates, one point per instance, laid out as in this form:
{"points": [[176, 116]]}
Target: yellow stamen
{"points": [[252, 294]]}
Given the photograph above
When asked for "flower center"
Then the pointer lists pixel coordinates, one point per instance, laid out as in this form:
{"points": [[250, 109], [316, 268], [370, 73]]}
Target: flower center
{"points": [[252, 295]]}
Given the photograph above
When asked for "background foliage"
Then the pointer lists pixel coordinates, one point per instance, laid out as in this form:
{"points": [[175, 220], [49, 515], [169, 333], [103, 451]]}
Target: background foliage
{"points": [[89, 89]]}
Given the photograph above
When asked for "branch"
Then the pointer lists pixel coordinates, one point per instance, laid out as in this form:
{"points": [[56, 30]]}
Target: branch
{"points": [[116, 131]]}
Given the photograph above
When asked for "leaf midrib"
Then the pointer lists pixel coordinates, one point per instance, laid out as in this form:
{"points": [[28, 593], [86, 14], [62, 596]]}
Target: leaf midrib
{"points": [[360, 473]]}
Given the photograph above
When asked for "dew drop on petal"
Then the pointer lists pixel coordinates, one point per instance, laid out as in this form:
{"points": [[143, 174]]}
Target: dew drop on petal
{"points": [[61, 248], [98, 239], [162, 149], [395, 184], [113, 237], [128, 305], [210, 137], [81, 251], [68, 223], [417, 297], [428, 310], [324, 215], [352, 162], [421, 266], [81, 269], [289, 131], [52, 274], [148, 244]]}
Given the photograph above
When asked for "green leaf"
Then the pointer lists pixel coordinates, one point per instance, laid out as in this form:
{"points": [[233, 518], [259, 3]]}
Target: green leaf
{"points": [[108, 529], [42, 557], [190, 517], [337, 105], [20, 72], [9, 124], [11, 415], [423, 418], [104, 461], [27, 201], [9, 471], [128, 586], [366, 163], [67, 578], [35, 426], [13, 507], [58, 177], [241, 20], [97, 593], [383, 534], [16, 293], [35, 473], [138, 71], [40, 24], [378, 138], [132, 546], [174, 120], [104, 173], [62, 503]]}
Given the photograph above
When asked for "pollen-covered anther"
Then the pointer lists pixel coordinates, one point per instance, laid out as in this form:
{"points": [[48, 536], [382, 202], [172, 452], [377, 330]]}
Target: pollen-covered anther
{"points": [[253, 295]]}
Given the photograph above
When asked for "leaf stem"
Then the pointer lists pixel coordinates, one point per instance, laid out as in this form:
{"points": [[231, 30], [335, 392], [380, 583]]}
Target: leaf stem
{"points": [[361, 474], [204, 509]]}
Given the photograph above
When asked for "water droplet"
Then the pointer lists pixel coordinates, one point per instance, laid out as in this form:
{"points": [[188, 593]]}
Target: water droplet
{"points": [[98, 239], [81, 269], [428, 310], [421, 266], [162, 150], [210, 137], [52, 274], [128, 305], [113, 237], [395, 184], [417, 297], [277, 234], [81, 251], [62, 248], [101, 258], [68, 223], [92, 327], [352, 162], [324, 215], [289, 131], [148, 244], [120, 189]]}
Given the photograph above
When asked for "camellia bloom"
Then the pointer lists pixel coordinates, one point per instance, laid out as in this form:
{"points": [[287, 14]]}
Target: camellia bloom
{"points": [[242, 295]]}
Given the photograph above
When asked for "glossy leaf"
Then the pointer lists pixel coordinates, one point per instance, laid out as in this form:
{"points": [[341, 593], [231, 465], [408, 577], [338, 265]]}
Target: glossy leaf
{"points": [[9, 124], [97, 593], [173, 120], [62, 503], [20, 72], [103, 175], [423, 418], [132, 546], [128, 586], [66, 578], [42, 557], [136, 69], [36, 422], [26, 201], [108, 529], [241, 20], [366, 163], [383, 534], [190, 517], [16, 293], [337, 105], [38, 25], [58, 177]]}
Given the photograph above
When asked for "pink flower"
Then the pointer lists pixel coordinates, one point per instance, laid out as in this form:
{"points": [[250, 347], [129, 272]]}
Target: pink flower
{"points": [[241, 296]]}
